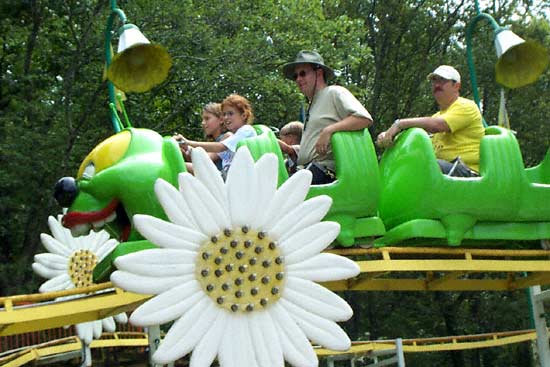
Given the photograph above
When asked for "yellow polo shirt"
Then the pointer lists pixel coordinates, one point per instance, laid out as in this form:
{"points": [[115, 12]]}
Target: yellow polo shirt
{"points": [[464, 120]]}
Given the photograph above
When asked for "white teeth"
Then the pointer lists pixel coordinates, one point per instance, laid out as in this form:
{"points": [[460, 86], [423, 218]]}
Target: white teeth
{"points": [[80, 230], [98, 224], [111, 217]]}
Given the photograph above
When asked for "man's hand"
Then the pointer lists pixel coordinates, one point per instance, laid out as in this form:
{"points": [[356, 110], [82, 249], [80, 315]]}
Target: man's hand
{"points": [[321, 147], [385, 138]]}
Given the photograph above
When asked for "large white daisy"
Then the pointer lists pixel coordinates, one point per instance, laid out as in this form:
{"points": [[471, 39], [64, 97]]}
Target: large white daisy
{"points": [[236, 267], [69, 264]]}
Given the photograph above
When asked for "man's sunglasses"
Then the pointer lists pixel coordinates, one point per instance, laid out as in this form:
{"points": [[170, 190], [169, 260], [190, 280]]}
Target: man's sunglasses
{"points": [[302, 74]]}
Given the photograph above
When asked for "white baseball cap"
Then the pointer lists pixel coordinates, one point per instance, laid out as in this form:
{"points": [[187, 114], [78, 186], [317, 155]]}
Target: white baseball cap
{"points": [[446, 72]]}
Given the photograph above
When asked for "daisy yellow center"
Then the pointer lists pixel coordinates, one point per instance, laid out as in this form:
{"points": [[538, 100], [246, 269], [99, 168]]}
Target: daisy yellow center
{"points": [[241, 270], [81, 268]]}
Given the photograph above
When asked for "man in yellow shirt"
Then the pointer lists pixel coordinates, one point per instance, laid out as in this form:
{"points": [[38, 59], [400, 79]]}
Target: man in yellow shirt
{"points": [[457, 128]]}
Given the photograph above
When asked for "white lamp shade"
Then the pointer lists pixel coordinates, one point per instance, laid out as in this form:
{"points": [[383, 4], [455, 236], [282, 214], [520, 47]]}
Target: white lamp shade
{"points": [[131, 36]]}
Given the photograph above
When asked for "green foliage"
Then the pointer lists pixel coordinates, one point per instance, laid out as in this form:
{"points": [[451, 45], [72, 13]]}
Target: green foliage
{"points": [[53, 110]]}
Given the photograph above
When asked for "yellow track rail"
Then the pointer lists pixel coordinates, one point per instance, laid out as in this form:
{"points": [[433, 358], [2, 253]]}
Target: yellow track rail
{"points": [[26, 313], [137, 339], [72, 345], [449, 343], [445, 269]]}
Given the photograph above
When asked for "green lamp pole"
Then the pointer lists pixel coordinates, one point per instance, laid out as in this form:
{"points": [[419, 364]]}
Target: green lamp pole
{"points": [[469, 53], [115, 12]]}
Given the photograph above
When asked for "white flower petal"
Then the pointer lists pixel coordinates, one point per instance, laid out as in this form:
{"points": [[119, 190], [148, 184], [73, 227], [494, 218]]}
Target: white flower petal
{"points": [[206, 350], [174, 205], [208, 212], [85, 331], [207, 173], [309, 241], [54, 246], [291, 194], [266, 342], [144, 284], [241, 188], [324, 267], [121, 318], [319, 330], [108, 324], [106, 248], [158, 262], [227, 355], [60, 233], [52, 261], [59, 283], [168, 235], [187, 331], [97, 329], [237, 343], [47, 272], [304, 215], [316, 299], [168, 306], [94, 240], [266, 185], [296, 348]]}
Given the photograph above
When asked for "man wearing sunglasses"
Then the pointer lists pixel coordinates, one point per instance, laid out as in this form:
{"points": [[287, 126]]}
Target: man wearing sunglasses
{"points": [[457, 128], [330, 109]]}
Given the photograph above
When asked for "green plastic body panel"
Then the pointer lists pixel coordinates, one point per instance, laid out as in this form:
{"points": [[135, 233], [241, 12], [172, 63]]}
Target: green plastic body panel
{"points": [[403, 200], [130, 180], [356, 191], [507, 202], [265, 142]]}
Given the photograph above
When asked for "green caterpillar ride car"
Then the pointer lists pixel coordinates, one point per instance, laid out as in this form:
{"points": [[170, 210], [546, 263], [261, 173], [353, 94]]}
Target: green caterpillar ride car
{"points": [[403, 199]]}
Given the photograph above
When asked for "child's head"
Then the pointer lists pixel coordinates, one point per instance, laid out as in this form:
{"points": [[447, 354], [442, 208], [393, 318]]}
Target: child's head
{"points": [[237, 112], [291, 133], [212, 120]]}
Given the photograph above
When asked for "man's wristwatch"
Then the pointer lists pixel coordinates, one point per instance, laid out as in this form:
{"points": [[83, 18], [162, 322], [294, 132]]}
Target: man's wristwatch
{"points": [[396, 124]]}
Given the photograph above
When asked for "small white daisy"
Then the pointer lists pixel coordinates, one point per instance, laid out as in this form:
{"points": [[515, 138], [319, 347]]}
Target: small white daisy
{"points": [[236, 268], [70, 264]]}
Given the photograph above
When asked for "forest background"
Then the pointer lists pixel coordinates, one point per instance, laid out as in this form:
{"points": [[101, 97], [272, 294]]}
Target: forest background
{"points": [[53, 110]]}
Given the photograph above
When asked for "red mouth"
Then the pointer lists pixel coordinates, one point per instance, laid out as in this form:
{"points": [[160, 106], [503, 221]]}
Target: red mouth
{"points": [[75, 218]]}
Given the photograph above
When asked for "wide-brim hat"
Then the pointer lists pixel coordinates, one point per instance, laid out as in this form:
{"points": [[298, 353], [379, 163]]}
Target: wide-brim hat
{"points": [[307, 57]]}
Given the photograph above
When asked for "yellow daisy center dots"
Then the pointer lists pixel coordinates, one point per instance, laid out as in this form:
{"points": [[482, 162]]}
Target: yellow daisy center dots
{"points": [[241, 270], [81, 268]]}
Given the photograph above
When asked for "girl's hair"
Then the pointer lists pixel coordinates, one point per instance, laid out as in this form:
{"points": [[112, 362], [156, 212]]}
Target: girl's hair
{"points": [[242, 104], [214, 108]]}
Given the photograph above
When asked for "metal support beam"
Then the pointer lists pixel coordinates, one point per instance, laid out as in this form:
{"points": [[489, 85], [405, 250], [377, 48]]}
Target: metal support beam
{"points": [[537, 309]]}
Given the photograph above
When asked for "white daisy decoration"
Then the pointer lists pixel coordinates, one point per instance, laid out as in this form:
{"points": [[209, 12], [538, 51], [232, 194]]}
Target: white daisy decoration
{"points": [[69, 264], [236, 268]]}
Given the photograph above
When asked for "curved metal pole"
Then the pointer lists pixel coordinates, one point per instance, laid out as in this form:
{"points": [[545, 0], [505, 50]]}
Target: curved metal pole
{"points": [[117, 125], [469, 53]]}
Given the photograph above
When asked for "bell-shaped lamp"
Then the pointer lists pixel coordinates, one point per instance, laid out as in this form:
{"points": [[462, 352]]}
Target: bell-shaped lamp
{"points": [[138, 65], [519, 62]]}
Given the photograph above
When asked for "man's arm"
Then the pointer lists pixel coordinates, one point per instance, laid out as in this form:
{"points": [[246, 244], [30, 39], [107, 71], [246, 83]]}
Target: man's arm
{"points": [[349, 123], [430, 124]]}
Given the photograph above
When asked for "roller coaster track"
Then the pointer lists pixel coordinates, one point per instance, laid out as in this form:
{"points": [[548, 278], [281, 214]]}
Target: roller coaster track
{"points": [[444, 269], [71, 347], [382, 269]]}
